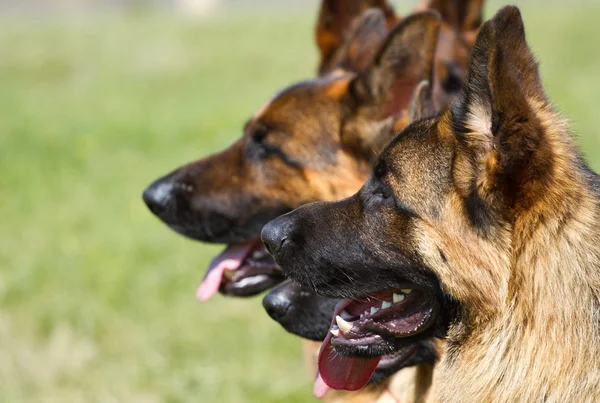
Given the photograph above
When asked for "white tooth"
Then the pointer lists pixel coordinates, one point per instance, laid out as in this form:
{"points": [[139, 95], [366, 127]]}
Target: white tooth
{"points": [[398, 298], [335, 332], [343, 325], [362, 315], [373, 310], [406, 290], [345, 315], [385, 304], [366, 313]]}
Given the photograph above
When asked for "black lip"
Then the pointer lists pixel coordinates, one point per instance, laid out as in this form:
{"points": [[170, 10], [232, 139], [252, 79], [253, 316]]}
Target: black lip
{"points": [[250, 286], [398, 358], [197, 232], [411, 354]]}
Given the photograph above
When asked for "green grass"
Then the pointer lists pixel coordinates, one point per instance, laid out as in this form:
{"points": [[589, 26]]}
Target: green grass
{"points": [[96, 296]]}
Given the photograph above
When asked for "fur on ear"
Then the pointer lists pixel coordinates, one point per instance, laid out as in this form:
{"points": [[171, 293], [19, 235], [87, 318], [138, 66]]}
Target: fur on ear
{"points": [[502, 78], [421, 105], [404, 60], [362, 41], [497, 117], [334, 21]]}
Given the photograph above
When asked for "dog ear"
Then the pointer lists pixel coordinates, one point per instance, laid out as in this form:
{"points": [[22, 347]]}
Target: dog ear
{"points": [[404, 60], [362, 41], [421, 105], [502, 78], [334, 21], [377, 99], [496, 115]]}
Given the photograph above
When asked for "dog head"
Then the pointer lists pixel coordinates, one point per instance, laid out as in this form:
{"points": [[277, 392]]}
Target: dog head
{"points": [[426, 242], [315, 140]]}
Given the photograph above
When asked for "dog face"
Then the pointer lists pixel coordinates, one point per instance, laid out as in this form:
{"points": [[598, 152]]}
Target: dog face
{"points": [[313, 141], [426, 242]]}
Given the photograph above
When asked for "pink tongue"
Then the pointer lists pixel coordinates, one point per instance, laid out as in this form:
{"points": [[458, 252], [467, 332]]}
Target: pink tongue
{"points": [[230, 259], [320, 387], [347, 373]]}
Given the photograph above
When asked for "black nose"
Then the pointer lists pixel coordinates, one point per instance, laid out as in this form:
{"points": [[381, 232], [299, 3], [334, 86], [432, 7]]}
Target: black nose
{"points": [[276, 304], [158, 195], [275, 234]]}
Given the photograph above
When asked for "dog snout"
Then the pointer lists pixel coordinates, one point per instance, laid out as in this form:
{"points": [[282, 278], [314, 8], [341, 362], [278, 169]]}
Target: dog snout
{"points": [[158, 196], [275, 235], [163, 194], [277, 304]]}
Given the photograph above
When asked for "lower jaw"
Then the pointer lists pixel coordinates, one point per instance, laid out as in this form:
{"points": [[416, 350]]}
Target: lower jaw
{"points": [[397, 359], [250, 286], [408, 357], [367, 347]]}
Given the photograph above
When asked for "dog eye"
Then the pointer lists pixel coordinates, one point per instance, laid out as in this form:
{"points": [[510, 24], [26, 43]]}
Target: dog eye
{"points": [[259, 135], [380, 169]]}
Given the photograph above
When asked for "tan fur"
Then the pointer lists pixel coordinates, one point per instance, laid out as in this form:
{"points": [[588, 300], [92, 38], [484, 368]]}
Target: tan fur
{"points": [[533, 291], [526, 271]]}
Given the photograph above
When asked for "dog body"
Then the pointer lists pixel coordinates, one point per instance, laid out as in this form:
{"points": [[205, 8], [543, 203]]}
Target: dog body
{"points": [[482, 223]]}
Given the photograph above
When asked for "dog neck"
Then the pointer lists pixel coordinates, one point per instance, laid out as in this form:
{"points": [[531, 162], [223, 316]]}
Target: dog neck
{"points": [[542, 343]]}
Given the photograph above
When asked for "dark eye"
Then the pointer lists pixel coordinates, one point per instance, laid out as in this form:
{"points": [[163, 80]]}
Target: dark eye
{"points": [[256, 147], [259, 134], [380, 169]]}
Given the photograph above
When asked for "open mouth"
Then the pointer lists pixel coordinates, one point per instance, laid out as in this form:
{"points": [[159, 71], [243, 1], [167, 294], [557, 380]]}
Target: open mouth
{"points": [[368, 332], [241, 270]]}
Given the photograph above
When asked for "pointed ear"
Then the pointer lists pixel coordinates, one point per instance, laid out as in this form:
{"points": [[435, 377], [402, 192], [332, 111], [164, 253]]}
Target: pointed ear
{"points": [[334, 21], [501, 81], [503, 118], [362, 41], [462, 15], [510, 32], [403, 61], [421, 105]]}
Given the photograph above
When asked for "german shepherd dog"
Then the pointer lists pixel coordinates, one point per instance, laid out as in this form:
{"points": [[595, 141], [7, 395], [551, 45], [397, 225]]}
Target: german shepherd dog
{"points": [[314, 141], [480, 226], [302, 312]]}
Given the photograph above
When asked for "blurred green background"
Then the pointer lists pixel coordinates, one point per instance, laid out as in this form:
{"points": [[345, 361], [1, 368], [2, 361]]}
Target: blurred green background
{"points": [[96, 295]]}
